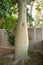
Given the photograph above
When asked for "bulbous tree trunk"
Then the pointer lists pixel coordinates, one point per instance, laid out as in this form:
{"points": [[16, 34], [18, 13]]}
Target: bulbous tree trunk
{"points": [[21, 37]]}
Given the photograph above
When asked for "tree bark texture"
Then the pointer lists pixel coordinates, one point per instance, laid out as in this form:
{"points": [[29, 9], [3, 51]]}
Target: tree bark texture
{"points": [[21, 37]]}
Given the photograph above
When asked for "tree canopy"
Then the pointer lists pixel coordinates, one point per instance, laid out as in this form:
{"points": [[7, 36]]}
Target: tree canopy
{"points": [[9, 8]]}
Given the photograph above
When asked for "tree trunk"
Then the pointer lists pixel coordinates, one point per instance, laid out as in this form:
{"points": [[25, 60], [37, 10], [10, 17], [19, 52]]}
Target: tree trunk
{"points": [[21, 37], [31, 7]]}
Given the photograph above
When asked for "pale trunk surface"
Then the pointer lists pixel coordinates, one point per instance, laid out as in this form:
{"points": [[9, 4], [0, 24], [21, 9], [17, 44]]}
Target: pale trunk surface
{"points": [[21, 38]]}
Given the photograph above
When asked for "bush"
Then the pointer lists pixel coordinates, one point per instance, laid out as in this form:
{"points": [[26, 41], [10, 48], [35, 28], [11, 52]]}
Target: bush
{"points": [[11, 39]]}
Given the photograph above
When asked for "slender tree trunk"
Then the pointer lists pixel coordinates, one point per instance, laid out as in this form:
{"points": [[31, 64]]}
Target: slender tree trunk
{"points": [[31, 7], [21, 37]]}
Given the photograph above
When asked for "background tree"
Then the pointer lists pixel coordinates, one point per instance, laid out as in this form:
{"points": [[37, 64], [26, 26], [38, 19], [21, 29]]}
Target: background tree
{"points": [[30, 19], [38, 16]]}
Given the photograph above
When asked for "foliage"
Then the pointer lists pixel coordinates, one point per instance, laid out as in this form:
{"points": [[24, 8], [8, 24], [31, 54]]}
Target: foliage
{"points": [[9, 24], [11, 39], [39, 15], [30, 19], [10, 6], [32, 56], [38, 21], [9, 21], [4, 61], [30, 39], [5, 7]]}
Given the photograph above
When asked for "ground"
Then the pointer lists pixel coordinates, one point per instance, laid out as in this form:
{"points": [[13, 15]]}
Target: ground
{"points": [[35, 57]]}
